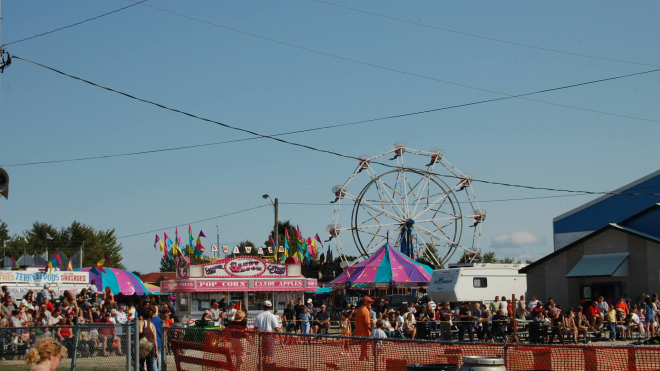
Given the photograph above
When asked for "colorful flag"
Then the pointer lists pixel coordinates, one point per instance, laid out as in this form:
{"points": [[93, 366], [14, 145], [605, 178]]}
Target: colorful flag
{"points": [[107, 259], [260, 251], [198, 245], [272, 245], [190, 236], [286, 247], [57, 257], [50, 267], [315, 250], [156, 243], [166, 255], [13, 263], [319, 240], [70, 267], [201, 233], [191, 251], [99, 265]]}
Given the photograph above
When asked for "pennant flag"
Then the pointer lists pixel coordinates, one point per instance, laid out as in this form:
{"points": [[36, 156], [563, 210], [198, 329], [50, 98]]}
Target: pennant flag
{"points": [[57, 257], [270, 249], [99, 265], [190, 236], [298, 233], [156, 243], [48, 237], [315, 249], [286, 233], [191, 251], [318, 239], [166, 256], [248, 249], [161, 244], [70, 267], [50, 267], [260, 251], [107, 260], [13, 263], [199, 246], [225, 248], [16, 265], [201, 233], [176, 236], [236, 251]]}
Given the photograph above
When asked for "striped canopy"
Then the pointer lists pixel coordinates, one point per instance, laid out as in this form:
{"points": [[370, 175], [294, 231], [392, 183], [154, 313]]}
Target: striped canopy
{"points": [[119, 281], [387, 266]]}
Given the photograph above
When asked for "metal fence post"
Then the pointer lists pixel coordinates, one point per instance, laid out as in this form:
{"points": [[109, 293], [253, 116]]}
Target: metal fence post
{"points": [[128, 345], [76, 336], [163, 347], [136, 346]]}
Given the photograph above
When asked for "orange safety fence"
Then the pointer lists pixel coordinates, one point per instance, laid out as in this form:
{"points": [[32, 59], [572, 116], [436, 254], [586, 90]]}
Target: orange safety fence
{"points": [[236, 350]]}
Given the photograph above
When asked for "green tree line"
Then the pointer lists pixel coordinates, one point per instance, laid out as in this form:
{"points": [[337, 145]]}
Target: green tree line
{"points": [[68, 240]]}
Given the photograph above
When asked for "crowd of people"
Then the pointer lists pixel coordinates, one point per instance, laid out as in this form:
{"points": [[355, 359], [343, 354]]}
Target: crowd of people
{"points": [[103, 322]]}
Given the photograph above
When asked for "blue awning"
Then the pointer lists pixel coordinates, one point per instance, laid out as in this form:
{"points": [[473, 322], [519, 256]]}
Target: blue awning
{"points": [[320, 290], [601, 265]]}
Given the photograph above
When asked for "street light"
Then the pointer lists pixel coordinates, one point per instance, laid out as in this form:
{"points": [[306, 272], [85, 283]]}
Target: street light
{"points": [[275, 204]]}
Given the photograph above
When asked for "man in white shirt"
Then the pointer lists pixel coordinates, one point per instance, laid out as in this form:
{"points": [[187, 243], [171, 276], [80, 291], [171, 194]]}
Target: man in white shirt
{"points": [[267, 322], [230, 313], [532, 303]]}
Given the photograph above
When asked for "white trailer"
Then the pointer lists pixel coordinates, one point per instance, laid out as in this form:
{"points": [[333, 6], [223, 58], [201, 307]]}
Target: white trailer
{"points": [[477, 283]]}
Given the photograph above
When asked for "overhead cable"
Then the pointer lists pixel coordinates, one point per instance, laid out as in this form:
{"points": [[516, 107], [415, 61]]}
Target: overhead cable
{"points": [[311, 147], [75, 24], [196, 221], [519, 96], [316, 128], [486, 37]]}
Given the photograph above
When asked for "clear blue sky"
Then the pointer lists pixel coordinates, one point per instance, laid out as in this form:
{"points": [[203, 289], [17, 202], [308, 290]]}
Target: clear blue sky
{"points": [[271, 88]]}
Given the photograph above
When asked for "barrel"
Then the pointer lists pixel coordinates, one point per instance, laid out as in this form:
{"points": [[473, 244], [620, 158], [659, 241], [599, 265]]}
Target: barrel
{"points": [[432, 367], [483, 364]]}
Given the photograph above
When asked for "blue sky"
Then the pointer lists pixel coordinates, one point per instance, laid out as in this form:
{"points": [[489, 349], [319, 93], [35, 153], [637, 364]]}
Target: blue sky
{"points": [[272, 88]]}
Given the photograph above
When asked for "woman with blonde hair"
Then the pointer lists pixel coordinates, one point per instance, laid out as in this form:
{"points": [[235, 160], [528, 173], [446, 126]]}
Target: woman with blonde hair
{"points": [[45, 355]]}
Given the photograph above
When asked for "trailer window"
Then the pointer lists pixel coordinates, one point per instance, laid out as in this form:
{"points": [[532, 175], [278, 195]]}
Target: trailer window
{"points": [[480, 282]]}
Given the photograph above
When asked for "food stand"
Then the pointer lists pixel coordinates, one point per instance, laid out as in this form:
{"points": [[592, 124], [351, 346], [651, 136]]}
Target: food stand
{"points": [[19, 282], [246, 280]]}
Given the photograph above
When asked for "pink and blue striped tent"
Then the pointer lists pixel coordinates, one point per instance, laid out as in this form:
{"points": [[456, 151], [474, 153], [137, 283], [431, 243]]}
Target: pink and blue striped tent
{"points": [[386, 268]]}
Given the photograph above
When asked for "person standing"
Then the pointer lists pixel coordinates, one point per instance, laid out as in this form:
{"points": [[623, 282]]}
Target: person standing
{"points": [[267, 323], [363, 326], [494, 305], [466, 321], [148, 331], [446, 315]]}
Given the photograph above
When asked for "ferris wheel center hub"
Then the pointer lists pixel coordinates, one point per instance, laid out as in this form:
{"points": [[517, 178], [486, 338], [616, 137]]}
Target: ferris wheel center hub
{"points": [[410, 222]]}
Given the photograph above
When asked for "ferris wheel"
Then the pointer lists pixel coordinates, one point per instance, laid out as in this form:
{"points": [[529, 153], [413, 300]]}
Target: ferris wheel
{"points": [[419, 211]]}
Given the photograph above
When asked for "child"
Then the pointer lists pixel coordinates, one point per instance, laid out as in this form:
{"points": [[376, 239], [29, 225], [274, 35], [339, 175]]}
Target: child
{"points": [[345, 325], [305, 317], [378, 333]]}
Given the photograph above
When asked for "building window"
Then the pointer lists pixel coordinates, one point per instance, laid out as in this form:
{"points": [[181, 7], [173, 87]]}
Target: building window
{"points": [[480, 282]]}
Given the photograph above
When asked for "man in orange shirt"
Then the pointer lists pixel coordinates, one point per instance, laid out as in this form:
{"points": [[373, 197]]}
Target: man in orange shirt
{"points": [[363, 326]]}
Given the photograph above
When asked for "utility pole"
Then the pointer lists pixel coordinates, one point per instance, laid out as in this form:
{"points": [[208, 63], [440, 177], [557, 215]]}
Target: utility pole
{"points": [[277, 237], [217, 244]]}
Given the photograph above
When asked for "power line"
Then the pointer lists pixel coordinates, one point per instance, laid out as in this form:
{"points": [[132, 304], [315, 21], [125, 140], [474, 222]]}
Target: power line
{"points": [[384, 67], [75, 24], [460, 202], [197, 221], [486, 37], [314, 148], [317, 128]]}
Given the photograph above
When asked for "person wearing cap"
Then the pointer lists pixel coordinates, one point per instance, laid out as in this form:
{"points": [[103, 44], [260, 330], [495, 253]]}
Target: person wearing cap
{"points": [[363, 326], [230, 313], [46, 293], [267, 322], [215, 311]]}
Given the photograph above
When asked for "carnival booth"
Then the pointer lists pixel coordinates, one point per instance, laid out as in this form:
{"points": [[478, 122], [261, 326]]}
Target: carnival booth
{"points": [[387, 268], [19, 282], [245, 280]]}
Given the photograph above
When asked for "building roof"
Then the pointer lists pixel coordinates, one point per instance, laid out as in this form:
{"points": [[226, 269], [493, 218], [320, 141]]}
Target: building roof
{"points": [[600, 265], [153, 277], [590, 235], [604, 197]]}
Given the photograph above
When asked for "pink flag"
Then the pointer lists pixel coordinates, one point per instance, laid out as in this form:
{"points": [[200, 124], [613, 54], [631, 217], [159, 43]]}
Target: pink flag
{"points": [[201, 234], [156, 243], [57, 257], [318, 239]]}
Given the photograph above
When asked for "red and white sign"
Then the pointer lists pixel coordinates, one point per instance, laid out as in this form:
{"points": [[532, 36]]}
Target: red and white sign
{"points": [[225, 285], [214, 248], [245, 267], [177, 286], [279, 283], [312, 284]]}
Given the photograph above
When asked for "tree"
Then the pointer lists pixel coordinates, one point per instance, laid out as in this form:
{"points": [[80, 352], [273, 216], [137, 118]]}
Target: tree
{"points": [[338, 260], [241, 249], [425, 259], [97, 243]]}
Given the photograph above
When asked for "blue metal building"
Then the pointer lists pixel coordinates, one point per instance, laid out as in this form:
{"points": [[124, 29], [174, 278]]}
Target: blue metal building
{"points": [[592, 216]]}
